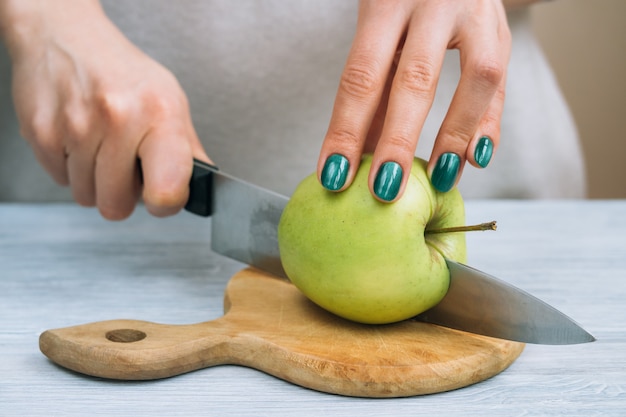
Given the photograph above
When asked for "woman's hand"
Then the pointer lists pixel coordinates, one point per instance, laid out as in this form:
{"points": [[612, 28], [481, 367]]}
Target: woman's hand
{"points": [[100, 115], [388, 86]]}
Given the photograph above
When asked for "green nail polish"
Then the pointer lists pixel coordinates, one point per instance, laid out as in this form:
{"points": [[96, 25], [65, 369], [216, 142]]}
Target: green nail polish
{"points": [[445, 172], [483, 151], [335, 172], [388, 180]]}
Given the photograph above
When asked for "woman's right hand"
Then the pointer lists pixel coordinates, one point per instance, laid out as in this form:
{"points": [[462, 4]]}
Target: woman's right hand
{"points": [[100, 115]]}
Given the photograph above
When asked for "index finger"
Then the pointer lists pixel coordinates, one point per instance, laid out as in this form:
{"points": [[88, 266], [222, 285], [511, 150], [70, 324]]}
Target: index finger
{"points": [[360, 90]]}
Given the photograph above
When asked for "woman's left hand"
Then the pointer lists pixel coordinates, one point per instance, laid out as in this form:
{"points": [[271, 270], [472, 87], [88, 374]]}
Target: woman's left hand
{"points": [[388, 86]]}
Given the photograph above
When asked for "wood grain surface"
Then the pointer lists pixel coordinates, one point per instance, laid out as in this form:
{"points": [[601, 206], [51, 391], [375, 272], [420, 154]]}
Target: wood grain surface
{"points": [[270, 326], [62, 265]]}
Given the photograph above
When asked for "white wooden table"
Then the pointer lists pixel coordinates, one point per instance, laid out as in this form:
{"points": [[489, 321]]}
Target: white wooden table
{"points": [[61, 265]]}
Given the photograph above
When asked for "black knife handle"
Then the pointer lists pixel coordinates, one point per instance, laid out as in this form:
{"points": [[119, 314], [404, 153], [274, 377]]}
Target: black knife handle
{"points": [[201, 189]]}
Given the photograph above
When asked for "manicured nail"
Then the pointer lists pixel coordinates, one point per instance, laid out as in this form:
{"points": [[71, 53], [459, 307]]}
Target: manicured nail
{"points": [[335, 172], [483, 151], [445, 172], [388, 180]]}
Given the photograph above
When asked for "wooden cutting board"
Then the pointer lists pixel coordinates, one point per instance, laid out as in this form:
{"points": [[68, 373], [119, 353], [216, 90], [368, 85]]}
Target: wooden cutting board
{"points": [[270, 326]]}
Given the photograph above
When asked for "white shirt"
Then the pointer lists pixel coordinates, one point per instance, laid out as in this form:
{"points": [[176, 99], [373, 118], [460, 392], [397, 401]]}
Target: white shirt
{"points": [[261, 78]]}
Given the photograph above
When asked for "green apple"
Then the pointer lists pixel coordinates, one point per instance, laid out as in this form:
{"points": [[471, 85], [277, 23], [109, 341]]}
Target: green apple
{"points": [[369, 261]]}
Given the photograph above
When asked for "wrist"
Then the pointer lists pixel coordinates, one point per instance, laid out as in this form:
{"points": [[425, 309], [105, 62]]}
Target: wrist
{"points": [[17, 21], [27, 22]]}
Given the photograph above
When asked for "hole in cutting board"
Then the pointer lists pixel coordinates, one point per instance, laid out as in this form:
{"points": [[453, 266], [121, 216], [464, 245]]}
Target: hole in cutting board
{"points": [[125, 335]]}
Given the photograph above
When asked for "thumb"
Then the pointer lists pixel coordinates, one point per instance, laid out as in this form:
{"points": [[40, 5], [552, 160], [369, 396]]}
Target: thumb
{"points": [[166, 157]]}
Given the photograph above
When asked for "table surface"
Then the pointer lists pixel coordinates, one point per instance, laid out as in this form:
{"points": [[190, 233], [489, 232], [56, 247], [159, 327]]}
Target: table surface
{"points": [[62, 265]]}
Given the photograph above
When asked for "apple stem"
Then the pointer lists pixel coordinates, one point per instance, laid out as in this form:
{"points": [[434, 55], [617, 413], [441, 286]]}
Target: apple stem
{"points": [[477, 227]]}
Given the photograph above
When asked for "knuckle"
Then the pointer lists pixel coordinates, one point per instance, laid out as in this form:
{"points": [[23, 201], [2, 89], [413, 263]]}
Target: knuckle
{"points": [[37, 127], [457, 137], [402, 143], [76, 126], [49, 142], [161, 103], [418, 76], [488, 70], [118, 109], [491, 120], [360, 79], [343, 137], [113, 108]]}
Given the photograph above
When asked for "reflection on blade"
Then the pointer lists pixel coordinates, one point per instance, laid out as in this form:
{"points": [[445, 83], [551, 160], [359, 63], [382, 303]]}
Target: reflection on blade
{"points": [[482, 304], [245, 223]]}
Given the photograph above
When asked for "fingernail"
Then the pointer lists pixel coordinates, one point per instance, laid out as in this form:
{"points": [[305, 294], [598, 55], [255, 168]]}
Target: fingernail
{"points": [[445, 172], [483, 151], [335, 172], [388, 180]]}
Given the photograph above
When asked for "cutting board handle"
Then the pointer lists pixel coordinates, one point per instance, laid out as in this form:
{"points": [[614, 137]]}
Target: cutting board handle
{"points": [[135, 350]]}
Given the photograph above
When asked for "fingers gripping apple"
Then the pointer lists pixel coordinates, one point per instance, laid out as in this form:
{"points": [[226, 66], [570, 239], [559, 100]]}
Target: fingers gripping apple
{"points": [[368, 261]]}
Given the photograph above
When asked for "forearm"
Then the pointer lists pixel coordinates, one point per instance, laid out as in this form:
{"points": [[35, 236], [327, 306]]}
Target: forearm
{"points": [[25, 21]]}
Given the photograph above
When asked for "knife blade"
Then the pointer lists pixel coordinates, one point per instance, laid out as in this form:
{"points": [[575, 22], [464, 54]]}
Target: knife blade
{"points": [[479, 303], [244, 227], [244, 224]]}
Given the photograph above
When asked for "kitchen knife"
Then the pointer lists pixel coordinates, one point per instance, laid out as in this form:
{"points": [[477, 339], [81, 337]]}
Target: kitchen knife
{"points": [[244, 227]]}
